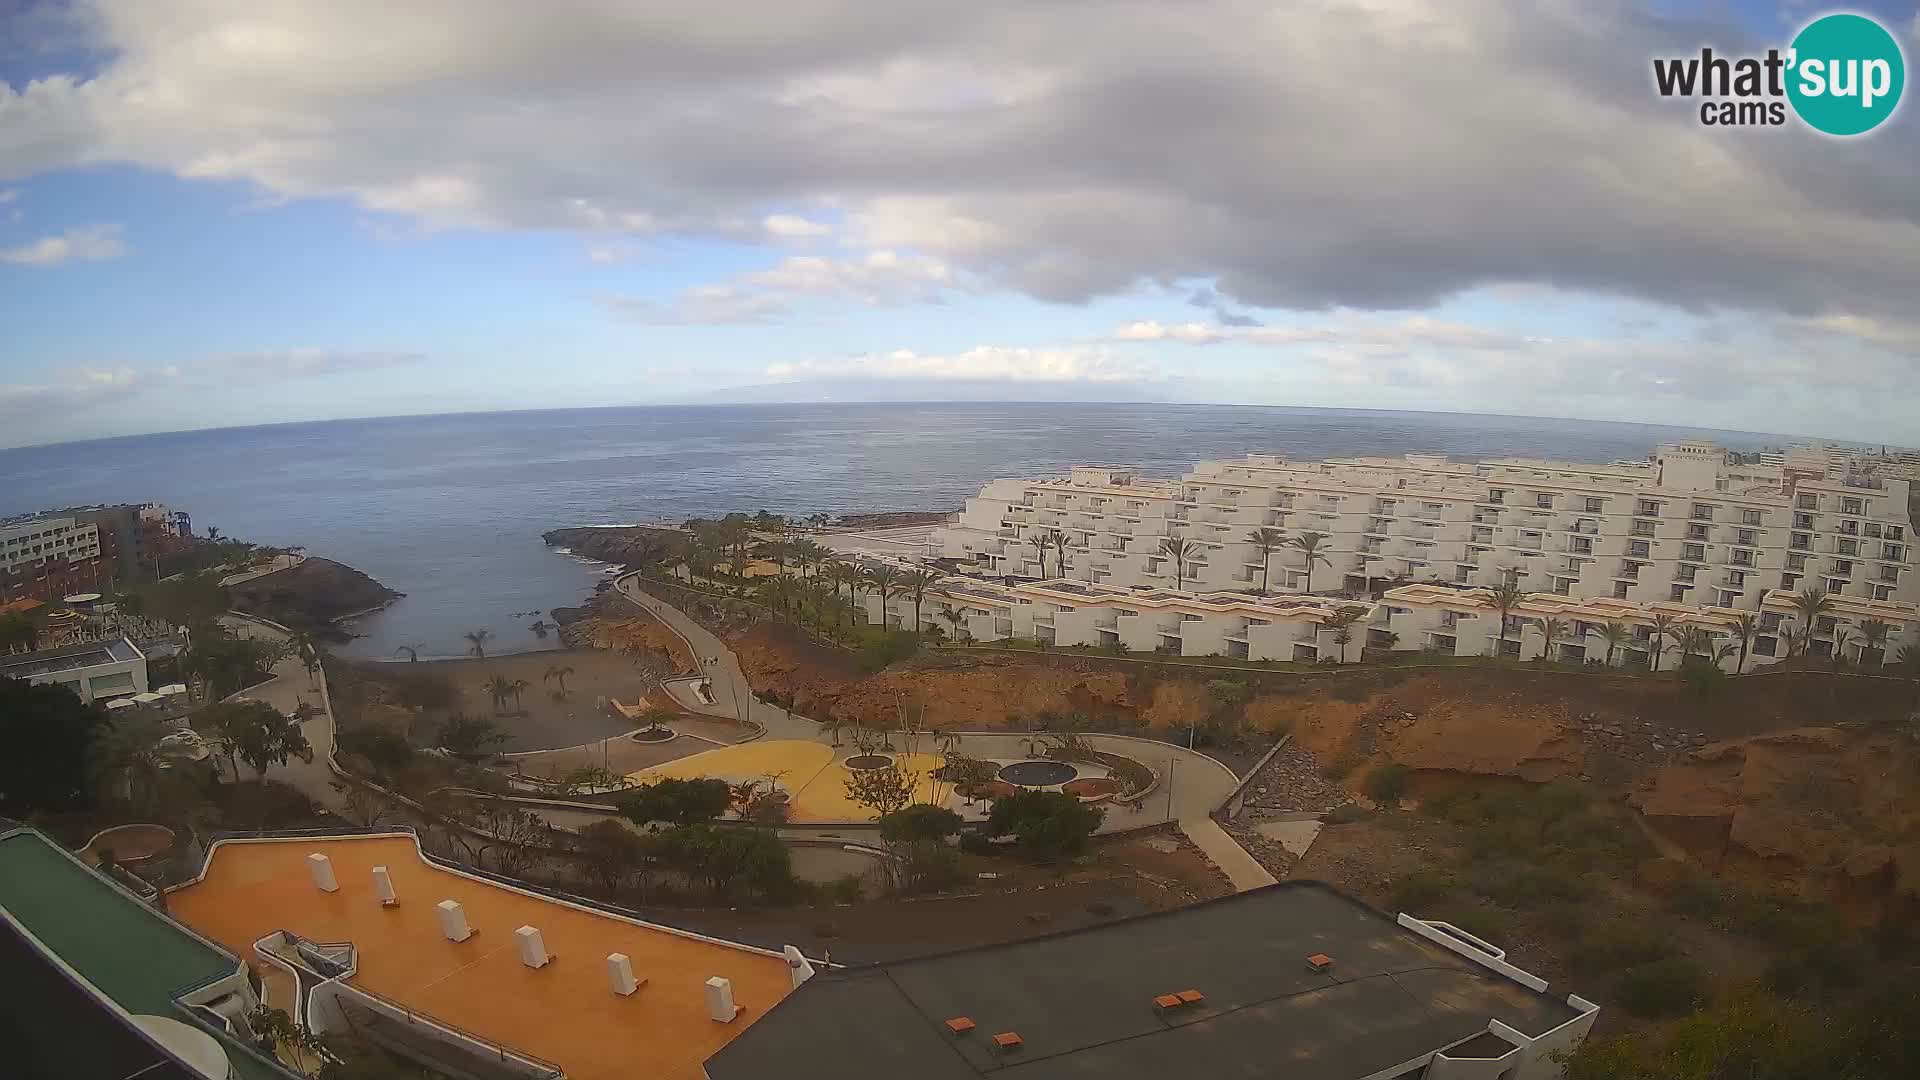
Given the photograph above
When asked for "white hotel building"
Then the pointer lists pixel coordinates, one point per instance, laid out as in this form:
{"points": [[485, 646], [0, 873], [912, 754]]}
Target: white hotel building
{"points": [[1686, 533]]}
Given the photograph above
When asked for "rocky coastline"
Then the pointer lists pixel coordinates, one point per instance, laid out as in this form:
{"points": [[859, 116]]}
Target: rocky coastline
{"points": [[312, 595], [626, 545]]}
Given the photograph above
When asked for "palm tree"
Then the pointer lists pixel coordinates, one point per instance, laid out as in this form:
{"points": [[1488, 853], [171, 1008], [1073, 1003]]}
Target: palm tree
{"points": [[1059, 541], [515, 687], [915, 583], [1696, 641], [213, 533], [1267, 541], [1554, 630], [958, 620], [1615, 634], [558, 674], [1809, 604], [837, 574], [1843, 636], [1506, 596], [1309, 545], [1873, 634], [130, 746], [499, 688], [1745, 628], [1179, 551], [302, 647], [1342, 621], [1658, 629], [1040, 544], [882, 579], [477, 642]]}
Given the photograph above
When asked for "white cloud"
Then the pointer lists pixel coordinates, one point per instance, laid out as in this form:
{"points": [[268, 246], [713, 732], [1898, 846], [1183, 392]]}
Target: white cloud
{"points": [[792, 227], [702, 305], [609, 253], [876, 279], [1067, 363], [7, 195], [81, 387], [89, 243]]}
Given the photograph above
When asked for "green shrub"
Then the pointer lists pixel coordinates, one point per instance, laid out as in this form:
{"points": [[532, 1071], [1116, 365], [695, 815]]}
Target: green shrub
{"points": [[919, 822], [1697, 895], [1528, 885], [889, 648], [1387, 783], [974, 842], [928, 866], [1047, 824], [1664, 988], [1615, 945], [1422, 890]]}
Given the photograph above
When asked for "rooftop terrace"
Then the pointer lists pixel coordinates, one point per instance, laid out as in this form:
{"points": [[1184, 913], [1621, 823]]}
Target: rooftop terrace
{"points": [[68, 658], [563, 1012]]}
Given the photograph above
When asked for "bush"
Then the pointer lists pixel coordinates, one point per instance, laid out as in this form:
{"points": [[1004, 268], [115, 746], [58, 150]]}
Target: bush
{"points": [[889, 648], [1423, 889], [1612, 946], [974, 842], [677, 802], [916, 823], [730, 861], [1704, 678], [1529, 885], [1697, 895], [1047, 824], [928, 865], [1387, 783], [1664, 988], [385, 750]]}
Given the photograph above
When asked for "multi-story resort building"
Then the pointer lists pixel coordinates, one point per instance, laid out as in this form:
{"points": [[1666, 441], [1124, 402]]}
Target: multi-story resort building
{"points": [[46, 558], [1693, 534]]}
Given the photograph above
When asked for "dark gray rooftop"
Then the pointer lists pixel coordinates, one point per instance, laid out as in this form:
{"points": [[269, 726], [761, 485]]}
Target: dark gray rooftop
{"points": [[1082, 1001], [68, 658]]}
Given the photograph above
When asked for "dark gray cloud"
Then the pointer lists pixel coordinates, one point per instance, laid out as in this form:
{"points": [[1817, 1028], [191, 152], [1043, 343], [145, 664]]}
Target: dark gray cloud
{"points": [[1372, 155]]}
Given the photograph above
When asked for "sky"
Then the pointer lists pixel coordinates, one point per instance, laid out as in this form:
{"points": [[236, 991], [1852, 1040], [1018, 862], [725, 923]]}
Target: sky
{"points": [[230, 212]]}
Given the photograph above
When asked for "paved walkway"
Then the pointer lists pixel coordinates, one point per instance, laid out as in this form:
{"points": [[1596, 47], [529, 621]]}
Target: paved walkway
{"points": [[733, 695], [290, 688], [1222, 851]]}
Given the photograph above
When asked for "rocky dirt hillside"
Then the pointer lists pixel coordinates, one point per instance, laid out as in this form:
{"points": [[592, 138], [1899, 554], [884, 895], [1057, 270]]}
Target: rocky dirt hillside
{"points": [[630, 546], [311, 595]]}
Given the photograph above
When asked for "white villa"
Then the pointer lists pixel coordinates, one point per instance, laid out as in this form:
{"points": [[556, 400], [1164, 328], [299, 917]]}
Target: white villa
{"points": [[1694, 533]]}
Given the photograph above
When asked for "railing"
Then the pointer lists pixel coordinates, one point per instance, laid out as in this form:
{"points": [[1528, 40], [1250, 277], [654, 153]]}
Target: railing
{"points": [[539, 1067]]}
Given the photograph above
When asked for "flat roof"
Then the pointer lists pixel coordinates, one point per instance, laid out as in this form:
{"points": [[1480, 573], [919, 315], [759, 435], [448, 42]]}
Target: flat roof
{"points": [[69, 658], [1083, 1005], [563, 1012], [56, 1028]]}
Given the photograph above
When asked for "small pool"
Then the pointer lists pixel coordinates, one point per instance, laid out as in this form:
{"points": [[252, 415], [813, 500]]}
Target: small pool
{"points": [[1038, 774]]}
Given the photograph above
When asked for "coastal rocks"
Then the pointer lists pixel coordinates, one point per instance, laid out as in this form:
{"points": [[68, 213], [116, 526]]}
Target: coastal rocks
{"points": [[310, 595], [630, 545]]}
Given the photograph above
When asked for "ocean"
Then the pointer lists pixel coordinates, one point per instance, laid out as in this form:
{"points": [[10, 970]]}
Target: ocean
{"points": [[449, 509]]}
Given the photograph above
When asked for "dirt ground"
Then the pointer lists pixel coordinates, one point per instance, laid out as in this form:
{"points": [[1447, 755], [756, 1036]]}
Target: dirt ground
{"points": [[539, 722], [1123, 877]]}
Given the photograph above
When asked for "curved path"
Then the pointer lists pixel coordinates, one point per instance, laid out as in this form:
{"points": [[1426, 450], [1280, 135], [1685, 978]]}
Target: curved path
{"points": [[1192, 785]]}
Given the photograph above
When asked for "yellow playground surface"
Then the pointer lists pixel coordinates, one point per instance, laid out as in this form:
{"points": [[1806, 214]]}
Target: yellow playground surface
{"points": [[809, 772]]}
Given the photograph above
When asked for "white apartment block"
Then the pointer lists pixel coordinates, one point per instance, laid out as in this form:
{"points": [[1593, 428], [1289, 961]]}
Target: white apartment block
{"points": [[1685, 527], [1686, 535], [26, 544]]}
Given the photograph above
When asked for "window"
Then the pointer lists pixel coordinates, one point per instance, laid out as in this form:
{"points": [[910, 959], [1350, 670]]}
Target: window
{"points": [[1882, 592], [1889, 573], [1643, 528], [1892, 551], [1895, 532], [1835, 584], [1702, 512], [1543, 500], [1847, 547], [1742, 558], [1744, 537], [1582, 546], [1684, 573], [1737, 579], [1678, 592], [1800, 541], [1796, 562], [1728, 599], [1852, 506], [1696, 552], [1696, 532], [1649, 508], [1619, 590], [1765, 646], [1749, 517], [1461, 573], [1593, 505], [1803, 521], [1825, 624], [1639, 548], [1497, 495], [1788, 581], [1807, 502], [1770, 621]]}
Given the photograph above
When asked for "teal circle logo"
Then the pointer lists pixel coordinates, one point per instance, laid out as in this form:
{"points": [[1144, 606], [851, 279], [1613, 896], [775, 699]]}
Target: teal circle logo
{"points": [[1846, 74]]}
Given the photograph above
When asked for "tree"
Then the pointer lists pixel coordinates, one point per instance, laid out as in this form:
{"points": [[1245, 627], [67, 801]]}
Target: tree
{"points": [[44, 735], [387, 751], [1308, 543], [1553, 630], [18, 632], [228, 663], [1506, 596], [1809, 604], [729, 860], [922, 822], [213, 534], [838, 574], [611, 853], [1180, 551], [957, 618], [1047, 824], [516, 687], [558, 674], [1843, 636], [1266, 541], [1615, 634], [1342, 621], [477, 642], [256, 733], [882, 579], [915, 584], [499, 688], [1040, 545], [1745, 628], [129, 746], [276, 1031], [1659, 628], [469, 736], [1873, 638], [676, 802], [1059, 541], [885, 790], [302, 647], [657, 717]]}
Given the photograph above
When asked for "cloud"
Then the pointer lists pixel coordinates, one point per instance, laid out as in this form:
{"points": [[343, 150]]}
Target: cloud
{"points": [[74, 388], [7, 195], [287, 364], [1069, 363], [90, 243], [876, 279], [1064, 150], [702, 305], [791, 227], [82, 387]]}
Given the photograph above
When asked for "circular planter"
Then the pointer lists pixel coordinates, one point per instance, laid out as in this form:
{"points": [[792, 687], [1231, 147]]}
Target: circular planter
{"points": [[655, 735], [131, 843], [866, 762], [1090, 788]]}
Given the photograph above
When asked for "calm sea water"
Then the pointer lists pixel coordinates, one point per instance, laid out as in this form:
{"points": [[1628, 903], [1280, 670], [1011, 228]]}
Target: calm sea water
{"points": [[449, 509]]}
